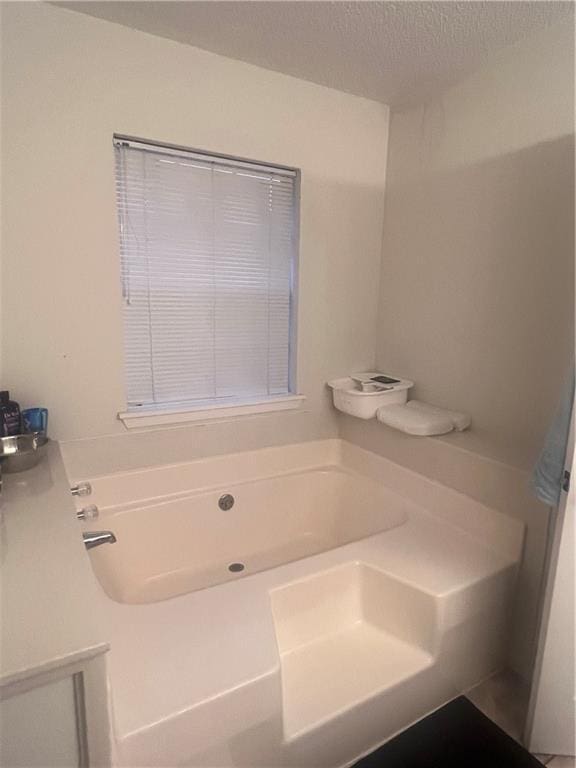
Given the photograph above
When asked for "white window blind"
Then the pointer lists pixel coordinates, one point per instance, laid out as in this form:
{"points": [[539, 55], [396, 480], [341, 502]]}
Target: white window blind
{"points": [[208, 250]]}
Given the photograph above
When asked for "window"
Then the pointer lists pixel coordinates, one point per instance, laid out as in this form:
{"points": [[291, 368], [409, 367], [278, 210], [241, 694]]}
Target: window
{"points": [[208, 257]]}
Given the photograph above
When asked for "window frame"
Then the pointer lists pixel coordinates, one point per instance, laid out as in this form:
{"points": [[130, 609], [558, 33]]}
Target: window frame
{"points": [[156, 414]]}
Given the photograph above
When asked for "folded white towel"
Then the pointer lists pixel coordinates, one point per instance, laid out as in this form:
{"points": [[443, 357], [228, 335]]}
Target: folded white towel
{"points": [[417, 418], [460, 421]]}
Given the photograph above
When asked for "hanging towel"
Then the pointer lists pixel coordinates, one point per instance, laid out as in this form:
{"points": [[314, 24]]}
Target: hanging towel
{"points": [[549, 471]]}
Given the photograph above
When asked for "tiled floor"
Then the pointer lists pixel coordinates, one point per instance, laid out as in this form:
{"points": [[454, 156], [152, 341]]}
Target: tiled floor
{"points": [[561, 762], [504, 699], [544, 759]]}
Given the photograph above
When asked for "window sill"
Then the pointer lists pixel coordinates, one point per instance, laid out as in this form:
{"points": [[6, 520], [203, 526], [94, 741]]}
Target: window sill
{"points": [[137, 420]]}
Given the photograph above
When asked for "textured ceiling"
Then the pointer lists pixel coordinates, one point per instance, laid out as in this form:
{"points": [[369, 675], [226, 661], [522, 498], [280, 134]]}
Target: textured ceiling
{"points": [[395, 52]]}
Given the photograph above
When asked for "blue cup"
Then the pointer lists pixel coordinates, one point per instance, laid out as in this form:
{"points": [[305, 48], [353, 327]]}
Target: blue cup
{"points": [[35, 419]]}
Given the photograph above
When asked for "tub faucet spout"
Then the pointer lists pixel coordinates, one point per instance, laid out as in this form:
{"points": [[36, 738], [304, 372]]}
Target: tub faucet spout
{"points": [[95, 538]]}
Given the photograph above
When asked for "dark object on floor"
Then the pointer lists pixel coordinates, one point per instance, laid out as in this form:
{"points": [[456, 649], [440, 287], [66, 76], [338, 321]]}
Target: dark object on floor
{"points": [[456, 736]]}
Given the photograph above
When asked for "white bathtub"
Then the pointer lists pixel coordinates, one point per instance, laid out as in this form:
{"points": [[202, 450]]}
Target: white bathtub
{"points": [[373, 596], [167, 548]]}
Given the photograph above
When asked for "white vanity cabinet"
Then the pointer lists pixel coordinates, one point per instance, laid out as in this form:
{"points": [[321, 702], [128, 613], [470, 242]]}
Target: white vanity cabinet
{"points": [[56, 720], [43, 726], [53, 643]]}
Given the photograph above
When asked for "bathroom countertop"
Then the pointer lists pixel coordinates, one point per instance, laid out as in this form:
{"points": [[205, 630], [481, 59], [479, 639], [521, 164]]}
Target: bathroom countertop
{"points": [[50, 615]]}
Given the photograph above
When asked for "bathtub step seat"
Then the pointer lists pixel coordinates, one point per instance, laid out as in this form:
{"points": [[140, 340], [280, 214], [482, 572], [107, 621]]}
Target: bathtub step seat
{"points": [[346, 635], [323, 679]]}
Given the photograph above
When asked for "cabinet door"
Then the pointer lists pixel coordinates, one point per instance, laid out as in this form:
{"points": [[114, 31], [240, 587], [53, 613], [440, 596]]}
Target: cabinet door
{"points": [[39, 727]]}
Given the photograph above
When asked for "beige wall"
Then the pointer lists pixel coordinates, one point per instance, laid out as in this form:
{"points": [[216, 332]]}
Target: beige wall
{"points": [[69, 82], [476, 300]]}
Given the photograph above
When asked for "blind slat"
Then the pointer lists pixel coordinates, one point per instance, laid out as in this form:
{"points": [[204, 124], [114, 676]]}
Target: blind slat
{"points": [[208, 259]]}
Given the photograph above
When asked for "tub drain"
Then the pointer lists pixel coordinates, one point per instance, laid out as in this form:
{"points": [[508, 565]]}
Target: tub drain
{"points": [[235, 567], [226, 502]]}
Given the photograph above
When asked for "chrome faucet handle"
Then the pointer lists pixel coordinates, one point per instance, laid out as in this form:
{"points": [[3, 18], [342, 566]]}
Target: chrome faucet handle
{"points": [[90, 512], [81, 489], [95, 538]]}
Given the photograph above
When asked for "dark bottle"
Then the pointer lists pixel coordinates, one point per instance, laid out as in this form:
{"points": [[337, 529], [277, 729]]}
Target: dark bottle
{"points": [[10, 421]]}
